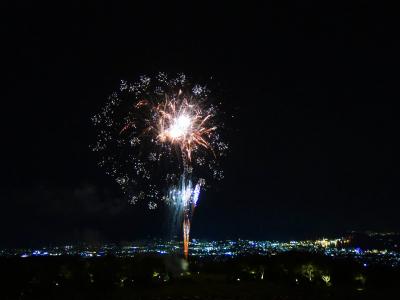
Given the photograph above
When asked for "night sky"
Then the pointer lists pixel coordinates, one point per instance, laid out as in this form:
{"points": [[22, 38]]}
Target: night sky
{"points": [[313, 91]]}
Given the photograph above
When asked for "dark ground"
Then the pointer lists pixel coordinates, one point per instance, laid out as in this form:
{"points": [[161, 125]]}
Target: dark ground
{"points": [[286, 276]]}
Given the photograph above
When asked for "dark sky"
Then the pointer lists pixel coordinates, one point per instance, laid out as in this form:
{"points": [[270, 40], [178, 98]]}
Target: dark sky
{"points": [[313, 90]]}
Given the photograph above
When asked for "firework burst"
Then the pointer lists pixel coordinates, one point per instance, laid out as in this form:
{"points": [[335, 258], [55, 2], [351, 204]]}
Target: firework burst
{"points": [[179, 120], [160, 140]]}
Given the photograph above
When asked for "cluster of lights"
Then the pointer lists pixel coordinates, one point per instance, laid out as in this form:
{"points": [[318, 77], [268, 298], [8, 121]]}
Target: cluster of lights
{"points": [[218, 249]]}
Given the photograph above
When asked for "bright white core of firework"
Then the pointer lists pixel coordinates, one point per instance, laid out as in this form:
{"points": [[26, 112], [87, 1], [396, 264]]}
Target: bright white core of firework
{"points": [[180, 127]]}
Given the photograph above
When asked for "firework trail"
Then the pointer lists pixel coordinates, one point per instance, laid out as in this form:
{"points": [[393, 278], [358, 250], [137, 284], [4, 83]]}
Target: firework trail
{"points": [[160, 140]]}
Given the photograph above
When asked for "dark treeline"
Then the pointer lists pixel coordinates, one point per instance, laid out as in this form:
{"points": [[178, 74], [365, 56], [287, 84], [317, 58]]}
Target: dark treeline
{"points": [[285, 276]]}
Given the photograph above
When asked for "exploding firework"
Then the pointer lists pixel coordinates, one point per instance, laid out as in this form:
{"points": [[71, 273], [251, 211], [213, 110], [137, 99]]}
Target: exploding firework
{"points": [[160, 140]]}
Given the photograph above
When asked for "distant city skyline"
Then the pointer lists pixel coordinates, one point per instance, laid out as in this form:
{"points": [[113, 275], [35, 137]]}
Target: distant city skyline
{"points": [[340, 248]]}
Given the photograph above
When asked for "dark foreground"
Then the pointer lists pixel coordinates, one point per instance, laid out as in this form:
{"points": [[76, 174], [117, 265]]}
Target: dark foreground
{"points": [[286, 276]]}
